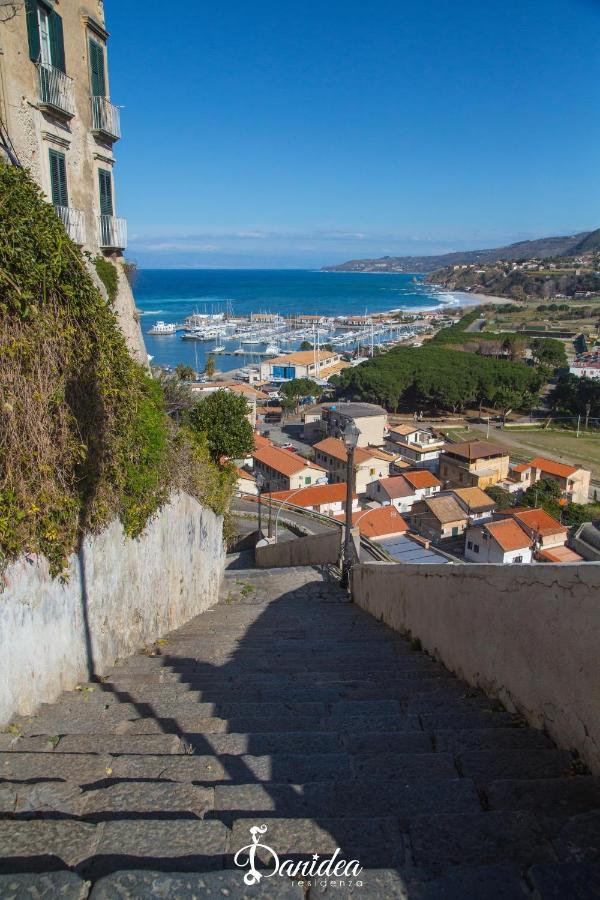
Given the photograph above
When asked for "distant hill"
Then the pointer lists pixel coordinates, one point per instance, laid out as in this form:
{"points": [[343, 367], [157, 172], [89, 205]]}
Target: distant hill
{"points": [[543, 248]]}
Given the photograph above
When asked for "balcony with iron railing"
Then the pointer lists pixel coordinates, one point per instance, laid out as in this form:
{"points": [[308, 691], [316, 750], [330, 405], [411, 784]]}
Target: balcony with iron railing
{"points": [[106, 118], [74, 222], [56, 90], [113, 232]]}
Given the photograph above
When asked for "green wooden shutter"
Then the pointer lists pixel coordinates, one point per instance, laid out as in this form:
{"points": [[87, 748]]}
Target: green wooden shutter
{"points": [[97, 73], [106, 198], [58, 178], [33, 29], [57, 41]]}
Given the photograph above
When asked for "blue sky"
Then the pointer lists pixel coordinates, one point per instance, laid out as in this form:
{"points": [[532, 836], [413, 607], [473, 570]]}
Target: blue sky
{"points": [[284, 134]]}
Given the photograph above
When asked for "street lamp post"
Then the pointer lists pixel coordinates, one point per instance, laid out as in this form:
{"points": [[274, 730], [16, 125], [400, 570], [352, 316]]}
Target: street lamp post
{"points": [[350, 437], [269, 523], [260, 481]]}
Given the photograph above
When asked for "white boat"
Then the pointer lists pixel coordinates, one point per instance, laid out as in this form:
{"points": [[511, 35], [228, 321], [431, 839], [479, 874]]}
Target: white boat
{"points": [[163, 328], [239, 352], [272, 350], [219, 349]]}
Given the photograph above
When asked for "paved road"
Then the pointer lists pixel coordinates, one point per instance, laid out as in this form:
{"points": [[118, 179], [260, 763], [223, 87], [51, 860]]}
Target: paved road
{"points": [[287, 706], [313, 526]]}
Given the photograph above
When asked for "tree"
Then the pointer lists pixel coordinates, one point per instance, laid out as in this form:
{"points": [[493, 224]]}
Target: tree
{"points": [[222, 419], [288, 406], [306, 345], [185, 373], [210, 366], [299, 388], [501, 498], [177, 394], [545, 493], [506, 399]]}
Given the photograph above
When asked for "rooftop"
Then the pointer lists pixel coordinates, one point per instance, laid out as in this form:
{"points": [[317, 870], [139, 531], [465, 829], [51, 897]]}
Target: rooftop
{"points": [[508, 534], [472, 450], [404, 430], [356, 410], [406, 549], [552, 467], [336, 448], [283, 461], [444, 509], [422, 478], [260, 441], [304, 358], [474, 498], [374, 523], [537, 520], [560, 555], [397, 486], [315, 494]]}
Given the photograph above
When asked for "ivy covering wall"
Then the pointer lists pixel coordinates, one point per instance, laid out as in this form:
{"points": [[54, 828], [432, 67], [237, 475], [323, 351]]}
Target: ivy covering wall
{"points": [[84, 436]]}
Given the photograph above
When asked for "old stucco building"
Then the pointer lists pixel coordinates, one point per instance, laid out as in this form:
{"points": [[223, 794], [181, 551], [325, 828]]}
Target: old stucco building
{"points": [[57, 120]]}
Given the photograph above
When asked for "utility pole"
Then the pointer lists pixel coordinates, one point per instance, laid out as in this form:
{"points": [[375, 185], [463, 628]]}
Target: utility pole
{"points": [[578, 424], [269, 524], [350, 437]]}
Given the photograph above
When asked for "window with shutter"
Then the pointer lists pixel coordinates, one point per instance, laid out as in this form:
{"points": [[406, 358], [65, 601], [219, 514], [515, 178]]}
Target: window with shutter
{"points": [[106, 198], [97, 72], [58, 178], [57, 41], [33, 29]]}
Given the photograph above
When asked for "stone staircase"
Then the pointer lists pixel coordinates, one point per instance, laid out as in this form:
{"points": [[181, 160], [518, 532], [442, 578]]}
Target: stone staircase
{"points": [[287, 706]]}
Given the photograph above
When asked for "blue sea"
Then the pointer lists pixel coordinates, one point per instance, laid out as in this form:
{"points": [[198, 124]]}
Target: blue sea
{"points": [[173, 294]]}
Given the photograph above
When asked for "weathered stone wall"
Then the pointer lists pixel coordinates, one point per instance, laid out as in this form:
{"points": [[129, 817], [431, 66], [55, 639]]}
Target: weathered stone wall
{"points": [[530, 635], [314, 550], [120, 594]]}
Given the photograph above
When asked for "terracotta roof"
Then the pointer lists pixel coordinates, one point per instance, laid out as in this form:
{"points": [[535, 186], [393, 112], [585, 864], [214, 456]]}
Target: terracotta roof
{"points": [[444, 509], [315, 494], [397, 486], [336, 448], [559, 555], [404, 429], [422, 478], [552, 467], [376, 453], [261, 442], [283, 461], [247, 476], [303, 358], [237, 387], [522, 467], [328, 371], [376, 523], [508, 534], [537, 520], [473, 450], [474, 498]]}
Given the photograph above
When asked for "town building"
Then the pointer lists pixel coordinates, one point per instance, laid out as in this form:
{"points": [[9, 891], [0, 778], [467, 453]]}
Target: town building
{"points": [[370, 463], [586, 367], [586, 541], [502, 541], [573, 481], [331, 419], [315, 364], [59, 123], [418, 446], [438, 518], [545, 532], [285, 471], [385, 521], [246, 483], [423, 482], [394, 491], [473, 464], [476, 503], [327, 499]]}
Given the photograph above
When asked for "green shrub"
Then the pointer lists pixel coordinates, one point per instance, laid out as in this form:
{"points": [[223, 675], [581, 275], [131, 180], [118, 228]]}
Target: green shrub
{"points": [[84, 435], [108, 275]]}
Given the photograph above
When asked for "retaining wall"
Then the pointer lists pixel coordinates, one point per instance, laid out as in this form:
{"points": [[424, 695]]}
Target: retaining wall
{"points": [[315, 550], [119, 595], [529, 635]]}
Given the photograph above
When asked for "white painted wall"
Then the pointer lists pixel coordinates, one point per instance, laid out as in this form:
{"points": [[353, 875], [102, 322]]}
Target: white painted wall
{"points": [[120, 594]]}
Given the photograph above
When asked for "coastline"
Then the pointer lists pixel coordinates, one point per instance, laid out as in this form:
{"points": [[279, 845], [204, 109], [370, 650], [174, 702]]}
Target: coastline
{"points": [[456, 299]]}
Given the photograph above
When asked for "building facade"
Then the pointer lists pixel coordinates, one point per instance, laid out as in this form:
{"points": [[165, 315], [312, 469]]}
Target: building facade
{"points": [[473, 464], [58, 121], [370, 419]]}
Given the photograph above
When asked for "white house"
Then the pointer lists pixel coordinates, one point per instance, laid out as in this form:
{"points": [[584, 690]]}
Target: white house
{"points": [[476, 503], [503, 541], [327, 499], [423, 482], [394, 491], [418, 446]]}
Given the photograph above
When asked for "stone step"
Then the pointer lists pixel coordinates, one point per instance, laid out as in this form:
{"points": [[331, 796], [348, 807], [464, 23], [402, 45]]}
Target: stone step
{"points": [[489, 765], [552, 796]]}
